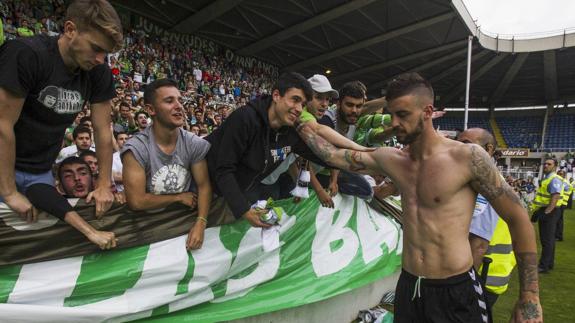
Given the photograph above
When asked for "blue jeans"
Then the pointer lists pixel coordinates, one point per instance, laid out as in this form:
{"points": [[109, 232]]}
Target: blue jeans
{"points": [[25, 180], [350, 184]]}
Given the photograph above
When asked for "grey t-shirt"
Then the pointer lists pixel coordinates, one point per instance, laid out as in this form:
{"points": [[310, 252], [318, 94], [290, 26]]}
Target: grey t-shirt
{"points": [[167, 174]]}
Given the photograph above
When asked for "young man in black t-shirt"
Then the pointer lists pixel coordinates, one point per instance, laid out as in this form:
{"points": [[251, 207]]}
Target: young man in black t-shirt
{"points": [[44, 83]]}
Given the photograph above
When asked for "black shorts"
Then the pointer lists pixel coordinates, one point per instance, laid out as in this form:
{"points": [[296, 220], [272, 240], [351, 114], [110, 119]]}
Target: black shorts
{"points": [[455, 299]]}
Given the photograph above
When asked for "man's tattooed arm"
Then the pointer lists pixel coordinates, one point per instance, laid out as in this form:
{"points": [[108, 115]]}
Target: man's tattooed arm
{"points": [[486, 178], [351, 160], [487, 181]]}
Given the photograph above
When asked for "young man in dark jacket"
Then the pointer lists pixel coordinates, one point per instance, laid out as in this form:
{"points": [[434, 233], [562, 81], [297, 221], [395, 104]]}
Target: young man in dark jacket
{"points": [[254, 140]]}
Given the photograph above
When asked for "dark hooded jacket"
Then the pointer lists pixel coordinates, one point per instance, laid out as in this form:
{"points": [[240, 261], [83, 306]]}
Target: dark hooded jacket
{"points": [[245, 150]]}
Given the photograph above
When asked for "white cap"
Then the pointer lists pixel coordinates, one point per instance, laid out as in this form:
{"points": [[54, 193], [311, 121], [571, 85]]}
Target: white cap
{"points": [[320, 84]]}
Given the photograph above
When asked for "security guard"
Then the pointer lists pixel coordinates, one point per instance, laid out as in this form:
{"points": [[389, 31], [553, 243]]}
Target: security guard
{"points": [[503, 261], [545, 210], [567, 190]]}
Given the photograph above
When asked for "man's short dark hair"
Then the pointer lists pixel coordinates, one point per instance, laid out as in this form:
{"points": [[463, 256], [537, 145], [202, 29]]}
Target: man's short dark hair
{"points": [[353, 89], [406, 84], [87, 153], [79, 129], [150, 91], [73, 160], [124, 104], [117, 134], [294, 80], [141, 112], [84, 119]]}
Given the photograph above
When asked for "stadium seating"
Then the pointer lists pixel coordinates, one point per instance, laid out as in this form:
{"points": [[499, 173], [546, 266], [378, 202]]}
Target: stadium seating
{"points": [[453, 123], [560, 132], [521, 132]]}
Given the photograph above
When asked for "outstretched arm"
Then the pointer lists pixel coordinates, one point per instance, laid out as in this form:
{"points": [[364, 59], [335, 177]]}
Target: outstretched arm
{"points": [[352, 160], [487, 181], [334, 137]]}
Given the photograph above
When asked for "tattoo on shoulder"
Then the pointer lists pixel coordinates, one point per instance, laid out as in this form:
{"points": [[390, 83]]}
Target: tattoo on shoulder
{"points": [[354, 160], [486, 178]]}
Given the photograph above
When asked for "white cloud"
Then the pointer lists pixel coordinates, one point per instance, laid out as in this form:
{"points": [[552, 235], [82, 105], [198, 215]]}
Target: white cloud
{"points": [[523, 17]]}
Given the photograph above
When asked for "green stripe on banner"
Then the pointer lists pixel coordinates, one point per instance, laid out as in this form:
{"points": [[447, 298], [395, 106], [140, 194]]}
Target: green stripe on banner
{"points": [[98, 278], [8, 277], [183, 284]]}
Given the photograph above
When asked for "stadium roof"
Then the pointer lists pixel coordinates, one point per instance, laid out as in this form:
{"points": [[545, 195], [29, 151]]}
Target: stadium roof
{"points": [[375, 40]]}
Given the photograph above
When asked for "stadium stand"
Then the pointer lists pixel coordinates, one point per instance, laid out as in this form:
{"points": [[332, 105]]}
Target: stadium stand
{"points": [[454, 123], [521, 132], [560, 132]]}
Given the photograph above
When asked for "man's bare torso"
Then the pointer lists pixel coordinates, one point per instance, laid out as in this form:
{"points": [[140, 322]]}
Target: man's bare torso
{"points": [[437, 205]]}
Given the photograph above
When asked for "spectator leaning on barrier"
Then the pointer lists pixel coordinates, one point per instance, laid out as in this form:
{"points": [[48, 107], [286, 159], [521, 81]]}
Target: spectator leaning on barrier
{"points": [[162, 161], [316, 107], [343, 120], [254, 141], [50, 78]]}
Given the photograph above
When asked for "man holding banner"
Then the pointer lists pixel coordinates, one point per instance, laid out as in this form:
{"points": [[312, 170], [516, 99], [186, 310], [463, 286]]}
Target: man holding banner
{"points": [[438, 281]]}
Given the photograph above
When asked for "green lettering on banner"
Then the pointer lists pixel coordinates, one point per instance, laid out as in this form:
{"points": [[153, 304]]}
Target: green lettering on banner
{"points": [[183, 284], [295, 268], [106, 267], [8, 277]]}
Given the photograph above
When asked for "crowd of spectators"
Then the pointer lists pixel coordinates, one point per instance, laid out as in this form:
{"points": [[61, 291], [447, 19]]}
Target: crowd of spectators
{"points": [[211, 86]]}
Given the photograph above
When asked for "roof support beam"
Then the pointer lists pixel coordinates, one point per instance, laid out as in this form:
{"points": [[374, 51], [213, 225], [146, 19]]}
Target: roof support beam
{"points": [[372, 41], [206, 15], [550, 75], [423, 67], [508, 78], [455, 91], [400, 60], [456, 67], [298, 29]]}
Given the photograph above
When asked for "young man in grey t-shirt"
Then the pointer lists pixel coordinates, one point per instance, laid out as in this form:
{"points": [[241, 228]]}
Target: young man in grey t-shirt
{"points": [[161, 161]]}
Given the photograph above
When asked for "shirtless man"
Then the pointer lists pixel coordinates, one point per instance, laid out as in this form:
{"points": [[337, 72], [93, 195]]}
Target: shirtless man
{"points": [[439, 180]]}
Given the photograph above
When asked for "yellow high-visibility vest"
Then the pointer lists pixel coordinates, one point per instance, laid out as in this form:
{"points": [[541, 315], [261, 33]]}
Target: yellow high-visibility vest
{"points": [[500, 251], [567, 189], [542, 197]]}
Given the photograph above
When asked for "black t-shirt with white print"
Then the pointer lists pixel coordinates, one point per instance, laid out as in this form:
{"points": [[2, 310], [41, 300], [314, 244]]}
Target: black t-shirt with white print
{"points": [[33, 68]]}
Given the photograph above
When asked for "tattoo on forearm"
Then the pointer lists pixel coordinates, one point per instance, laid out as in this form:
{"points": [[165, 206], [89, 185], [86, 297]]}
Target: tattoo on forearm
{"points": [[353, 158], [527, 267], [487, 180], [321, 147]]}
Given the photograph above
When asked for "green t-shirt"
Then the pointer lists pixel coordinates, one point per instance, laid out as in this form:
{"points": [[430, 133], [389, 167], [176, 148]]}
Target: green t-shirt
{"points": [[305, 116], [24, 32]]}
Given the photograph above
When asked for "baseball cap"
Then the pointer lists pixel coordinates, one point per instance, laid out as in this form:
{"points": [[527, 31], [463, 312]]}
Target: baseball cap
{"points": [[320, 84]]}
